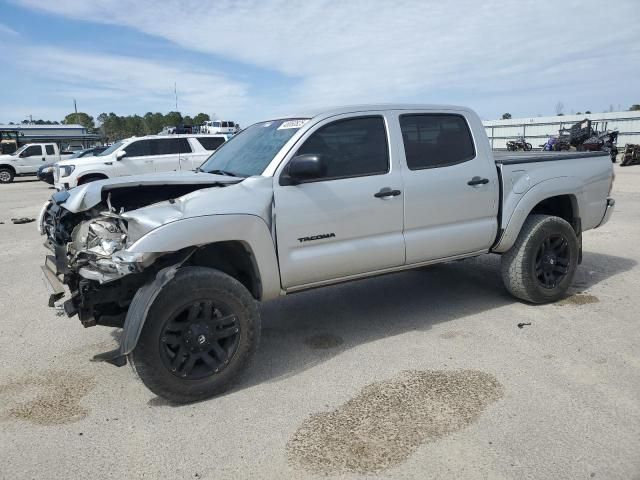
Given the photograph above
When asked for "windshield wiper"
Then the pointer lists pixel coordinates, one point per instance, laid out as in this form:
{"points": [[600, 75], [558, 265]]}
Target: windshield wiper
{"points": [[223, 172]]}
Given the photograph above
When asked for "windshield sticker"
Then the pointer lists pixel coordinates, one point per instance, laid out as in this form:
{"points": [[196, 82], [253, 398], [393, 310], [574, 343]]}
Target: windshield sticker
{"points": [[292, 124]]}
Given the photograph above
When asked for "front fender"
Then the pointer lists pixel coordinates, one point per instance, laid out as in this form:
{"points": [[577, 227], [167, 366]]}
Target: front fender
{"points": [[527, 201], [251, 230]]}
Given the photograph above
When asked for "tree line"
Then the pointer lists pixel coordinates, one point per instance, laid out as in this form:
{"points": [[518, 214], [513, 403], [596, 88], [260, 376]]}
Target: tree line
{"points": [[115, 127]]}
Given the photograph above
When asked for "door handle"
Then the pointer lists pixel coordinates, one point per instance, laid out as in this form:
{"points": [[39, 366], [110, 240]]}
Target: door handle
{"points": [[387, 193], [478, 181]]}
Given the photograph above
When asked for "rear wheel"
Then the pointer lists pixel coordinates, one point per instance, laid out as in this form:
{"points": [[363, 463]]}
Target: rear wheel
{"points": [[528, 147], [199, 336], [6, 175], [540, 266]]}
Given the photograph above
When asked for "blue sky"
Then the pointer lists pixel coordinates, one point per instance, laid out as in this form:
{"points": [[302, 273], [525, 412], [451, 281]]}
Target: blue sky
{"points": [[248, 60]]}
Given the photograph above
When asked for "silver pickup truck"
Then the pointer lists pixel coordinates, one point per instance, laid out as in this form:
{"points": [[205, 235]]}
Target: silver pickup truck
{"points": [[181, 260]]}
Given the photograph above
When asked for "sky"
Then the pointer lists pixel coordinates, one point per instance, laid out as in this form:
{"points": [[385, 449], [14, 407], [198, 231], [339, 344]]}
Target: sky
{"points": [[250, 60]]}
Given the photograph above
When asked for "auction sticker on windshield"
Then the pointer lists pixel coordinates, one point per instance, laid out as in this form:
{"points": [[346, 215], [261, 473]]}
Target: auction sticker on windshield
{"points": [[292, 124]]}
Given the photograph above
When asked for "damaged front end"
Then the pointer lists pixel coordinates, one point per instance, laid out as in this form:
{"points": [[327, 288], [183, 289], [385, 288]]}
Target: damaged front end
{"points": [[88, 231], [89, 257]]}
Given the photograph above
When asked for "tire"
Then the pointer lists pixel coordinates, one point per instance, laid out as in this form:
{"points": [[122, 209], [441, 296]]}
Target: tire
{"points": [[6, 175], [199, 289], [530, 266], [528, 147]]}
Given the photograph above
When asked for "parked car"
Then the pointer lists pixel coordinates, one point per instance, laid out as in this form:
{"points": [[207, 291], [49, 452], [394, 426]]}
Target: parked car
{"points": [[220, 127], [27, 160], [180, 261], [45, 172], [138, 155]]}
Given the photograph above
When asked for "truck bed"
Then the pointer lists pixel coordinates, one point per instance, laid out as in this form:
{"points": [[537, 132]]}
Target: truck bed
{"points": [[512, 158]]}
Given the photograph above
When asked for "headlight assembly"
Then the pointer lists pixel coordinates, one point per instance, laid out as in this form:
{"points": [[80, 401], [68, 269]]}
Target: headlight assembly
{"points": [[65, 170]]}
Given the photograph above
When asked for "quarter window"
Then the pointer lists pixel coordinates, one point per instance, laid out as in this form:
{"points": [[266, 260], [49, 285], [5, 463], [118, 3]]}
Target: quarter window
{"points": [[350, 148], [50, 150], [435, 140], [211, 143]]}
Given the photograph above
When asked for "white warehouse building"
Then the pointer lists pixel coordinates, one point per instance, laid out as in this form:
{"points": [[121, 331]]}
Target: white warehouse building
{"points": [[537, 130]]}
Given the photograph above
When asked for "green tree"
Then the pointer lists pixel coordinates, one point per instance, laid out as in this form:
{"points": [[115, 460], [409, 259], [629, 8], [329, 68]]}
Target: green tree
{"points": [[634, 108], [200, 118], [187, 120], [172, 119], [80, 118], [506, 116]]}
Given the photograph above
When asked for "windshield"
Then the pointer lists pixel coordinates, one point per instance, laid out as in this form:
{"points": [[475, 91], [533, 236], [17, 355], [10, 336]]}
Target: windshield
{"points": [[249, 152], [111, 149]]}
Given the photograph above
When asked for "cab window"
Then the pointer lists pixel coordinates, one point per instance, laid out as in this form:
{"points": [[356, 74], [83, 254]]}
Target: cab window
{"points": [[350, 148], [436, 140], [33, 151]]}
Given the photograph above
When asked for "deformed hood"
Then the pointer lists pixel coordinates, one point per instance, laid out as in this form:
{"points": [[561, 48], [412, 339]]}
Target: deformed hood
{"points": [[88, 196]]}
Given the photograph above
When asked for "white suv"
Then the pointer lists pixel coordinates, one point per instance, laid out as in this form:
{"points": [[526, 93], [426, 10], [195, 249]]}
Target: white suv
{"points": [[138, 155]]}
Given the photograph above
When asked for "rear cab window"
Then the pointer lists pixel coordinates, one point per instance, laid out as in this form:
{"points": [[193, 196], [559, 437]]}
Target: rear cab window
{"points": [[433, 140], [50, 150]]}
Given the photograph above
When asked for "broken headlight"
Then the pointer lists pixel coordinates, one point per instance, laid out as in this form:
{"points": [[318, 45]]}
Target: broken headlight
{"points": [[100, 237]]}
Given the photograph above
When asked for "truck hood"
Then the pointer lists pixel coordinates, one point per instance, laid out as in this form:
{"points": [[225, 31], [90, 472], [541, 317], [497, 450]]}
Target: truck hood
{"points": [[250, 196], [7, 158], [87, 196]]}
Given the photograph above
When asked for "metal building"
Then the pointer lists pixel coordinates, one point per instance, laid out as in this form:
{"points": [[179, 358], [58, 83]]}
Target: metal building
{"points": [[537, 130], [63, 135]]}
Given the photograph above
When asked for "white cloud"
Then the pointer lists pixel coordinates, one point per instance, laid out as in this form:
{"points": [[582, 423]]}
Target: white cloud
{"points": [[103, 79], [380, 50]]}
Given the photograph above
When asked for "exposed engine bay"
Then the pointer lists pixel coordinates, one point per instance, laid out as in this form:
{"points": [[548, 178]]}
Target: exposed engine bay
{"points": [[89, 248]]}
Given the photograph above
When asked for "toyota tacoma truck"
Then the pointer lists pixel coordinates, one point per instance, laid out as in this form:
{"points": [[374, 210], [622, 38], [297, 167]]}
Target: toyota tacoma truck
{"points": [[181, 260]]}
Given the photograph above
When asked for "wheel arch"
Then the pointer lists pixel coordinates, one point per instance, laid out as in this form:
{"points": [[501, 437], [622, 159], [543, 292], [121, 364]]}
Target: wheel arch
{"points": [[561, 197], [239, 245], [82, 178]]}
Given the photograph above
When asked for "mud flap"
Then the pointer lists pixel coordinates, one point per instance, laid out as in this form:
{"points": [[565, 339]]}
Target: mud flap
{"points": [[137, 314]]}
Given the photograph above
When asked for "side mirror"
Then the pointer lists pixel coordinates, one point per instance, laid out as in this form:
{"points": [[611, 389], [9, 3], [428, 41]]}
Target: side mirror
{"points": [[22, 154], [303, 168], [121, 154]]}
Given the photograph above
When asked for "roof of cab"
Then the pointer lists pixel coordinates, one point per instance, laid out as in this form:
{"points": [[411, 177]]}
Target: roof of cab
{"points": [[333, 111]]}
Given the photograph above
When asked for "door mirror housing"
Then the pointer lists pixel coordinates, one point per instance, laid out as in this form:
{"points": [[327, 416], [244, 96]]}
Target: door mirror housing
{"points": [[22, 154], [121, 154], [303, 168]]}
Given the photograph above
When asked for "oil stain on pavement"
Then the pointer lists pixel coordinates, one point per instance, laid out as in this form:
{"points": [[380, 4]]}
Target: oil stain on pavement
{"points": [[387, 421], [579, 299], [50, 398]]}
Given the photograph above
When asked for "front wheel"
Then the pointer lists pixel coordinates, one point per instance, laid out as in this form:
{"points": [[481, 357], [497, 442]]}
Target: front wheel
{"points": [[528, 147], [199, 336], [540, 266], [6, 175]]}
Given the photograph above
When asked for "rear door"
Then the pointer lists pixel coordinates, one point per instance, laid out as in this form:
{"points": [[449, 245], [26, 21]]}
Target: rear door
{"points": [[451, 187], [167, 153], [340, 225], [51, 155]]}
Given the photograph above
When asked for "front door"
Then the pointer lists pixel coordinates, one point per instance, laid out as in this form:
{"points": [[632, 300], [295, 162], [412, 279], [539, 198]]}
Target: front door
{"points": [[451, 188], [139, 159], [31, 159], [350, 221]]}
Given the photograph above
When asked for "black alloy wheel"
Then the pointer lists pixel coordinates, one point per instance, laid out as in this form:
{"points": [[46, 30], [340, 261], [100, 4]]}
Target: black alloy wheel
{"points": [[199, 340], [552, 261]]}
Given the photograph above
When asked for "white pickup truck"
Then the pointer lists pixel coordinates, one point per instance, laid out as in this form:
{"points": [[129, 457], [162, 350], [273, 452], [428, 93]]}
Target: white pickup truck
{"points": [[27, 160], [138, 155], [180, 261]]}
